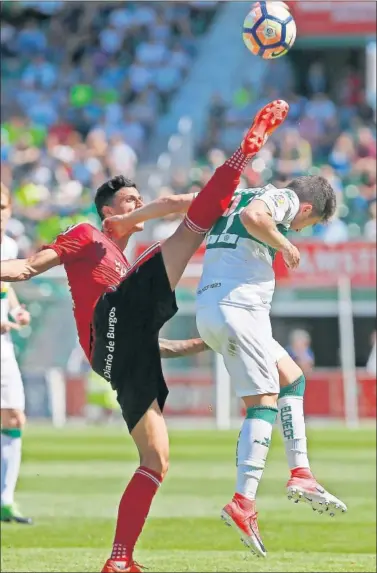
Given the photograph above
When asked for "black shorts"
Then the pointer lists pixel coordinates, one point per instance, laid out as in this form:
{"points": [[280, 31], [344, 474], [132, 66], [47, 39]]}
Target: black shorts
{"points": [[126, 323]]}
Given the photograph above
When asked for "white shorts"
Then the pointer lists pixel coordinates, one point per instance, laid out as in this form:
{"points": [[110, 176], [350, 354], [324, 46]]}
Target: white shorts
{"points": [[12, 388], [244, 338]]}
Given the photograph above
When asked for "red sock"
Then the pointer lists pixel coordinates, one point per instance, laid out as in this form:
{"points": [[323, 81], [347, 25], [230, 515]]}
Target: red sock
{"points": [[133, 511], [215, 197]]}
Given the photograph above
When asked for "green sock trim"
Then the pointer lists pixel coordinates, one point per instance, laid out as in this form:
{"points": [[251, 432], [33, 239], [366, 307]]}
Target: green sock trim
{"points": [[297, 388], [14, 433], [266, 413]]}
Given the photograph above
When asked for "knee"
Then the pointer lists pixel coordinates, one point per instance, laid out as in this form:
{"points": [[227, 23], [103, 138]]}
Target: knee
{"points": [[264, 400], [156, 460], [12, 419]]}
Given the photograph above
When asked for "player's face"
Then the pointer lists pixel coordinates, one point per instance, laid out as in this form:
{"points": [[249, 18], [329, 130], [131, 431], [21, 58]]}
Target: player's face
{"points": [[125, 201], [304, 218], [5, 212]]}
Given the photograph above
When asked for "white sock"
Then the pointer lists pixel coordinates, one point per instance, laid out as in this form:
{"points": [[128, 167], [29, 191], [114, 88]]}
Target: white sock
{"points": [[252, 449], [10, 467], [291, 423]]}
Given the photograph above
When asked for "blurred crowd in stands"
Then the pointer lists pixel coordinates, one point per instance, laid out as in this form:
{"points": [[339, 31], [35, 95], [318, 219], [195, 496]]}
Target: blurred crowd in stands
{"points": [[331, 135], [82, 86], [75, 112]]}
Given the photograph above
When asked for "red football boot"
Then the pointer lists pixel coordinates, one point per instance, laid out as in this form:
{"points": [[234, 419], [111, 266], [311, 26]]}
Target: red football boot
{"points": [[121, 566], [265, 122], [245, 523], [303, 486]]}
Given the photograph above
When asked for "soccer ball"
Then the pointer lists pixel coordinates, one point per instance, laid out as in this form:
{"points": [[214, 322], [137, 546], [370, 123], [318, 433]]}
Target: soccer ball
{"points": [[269, 29]]}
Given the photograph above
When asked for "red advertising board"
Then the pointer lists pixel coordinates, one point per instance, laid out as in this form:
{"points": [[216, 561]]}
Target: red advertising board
{"points": [[323, 264], [334, 18], [324, 396]]}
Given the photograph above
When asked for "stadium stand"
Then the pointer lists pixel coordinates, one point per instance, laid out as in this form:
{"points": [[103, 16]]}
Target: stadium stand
{"points": [[77, 108]]}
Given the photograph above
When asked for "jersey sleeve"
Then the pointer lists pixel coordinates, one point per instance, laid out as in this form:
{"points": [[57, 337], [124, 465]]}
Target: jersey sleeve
{"points": [[69, 244], [13, 249], [282, 203]]}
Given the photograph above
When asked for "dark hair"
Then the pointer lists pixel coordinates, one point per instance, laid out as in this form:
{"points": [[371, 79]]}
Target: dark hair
{"points": [[106, 192], [316, 191]]}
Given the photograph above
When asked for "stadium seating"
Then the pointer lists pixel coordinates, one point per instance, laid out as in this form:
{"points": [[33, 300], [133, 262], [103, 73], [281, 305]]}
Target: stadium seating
{"points": [[82, 88]]}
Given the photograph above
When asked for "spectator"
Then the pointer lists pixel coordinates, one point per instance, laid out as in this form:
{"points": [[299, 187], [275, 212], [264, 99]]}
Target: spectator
{"points": [[293, 155], [40, 73], [316, 78], [371, 226], [216, 112], [300, 351], [139, 77], [371, 365], [122, 157], [111, 39], [133, 131], [31, 39], [151, 53], [364, 109], [365, 143], [166, 78], [343, 154], [335, 231], [321, 108]]}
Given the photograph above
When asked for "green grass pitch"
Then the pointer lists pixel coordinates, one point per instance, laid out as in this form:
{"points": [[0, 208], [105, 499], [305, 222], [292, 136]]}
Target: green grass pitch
{"points": [[72, 480]]}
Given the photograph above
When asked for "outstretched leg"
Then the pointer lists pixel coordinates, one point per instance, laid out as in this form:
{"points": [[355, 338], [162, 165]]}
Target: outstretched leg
{"points": [[215, 197]]}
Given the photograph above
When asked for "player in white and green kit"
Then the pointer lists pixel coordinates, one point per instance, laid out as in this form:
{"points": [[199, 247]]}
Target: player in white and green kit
{"points": [[233, 318], [13, 316]]}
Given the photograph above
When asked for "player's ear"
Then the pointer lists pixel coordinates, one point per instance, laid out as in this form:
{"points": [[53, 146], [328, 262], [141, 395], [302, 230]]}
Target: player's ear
{"points": [[307, 209], [107, 211]]}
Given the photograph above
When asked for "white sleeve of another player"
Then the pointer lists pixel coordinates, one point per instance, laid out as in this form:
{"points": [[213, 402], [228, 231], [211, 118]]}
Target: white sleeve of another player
{"points": [[10, 248], [282, 203]]}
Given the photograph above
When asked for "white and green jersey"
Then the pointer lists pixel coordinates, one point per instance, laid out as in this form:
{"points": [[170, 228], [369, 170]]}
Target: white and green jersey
{"points": [[9, 250], [237, 267]]}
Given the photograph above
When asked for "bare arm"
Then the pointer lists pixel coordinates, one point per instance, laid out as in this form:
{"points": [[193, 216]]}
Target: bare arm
{"points": [[120, 225], [13, 299], [178, 348], [7, 325], [258, 222], [24, 269], [18, 311], [161, 207]]}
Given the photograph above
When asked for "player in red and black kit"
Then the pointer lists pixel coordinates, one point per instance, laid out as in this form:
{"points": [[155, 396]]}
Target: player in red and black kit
{"points": [[120, 308]]}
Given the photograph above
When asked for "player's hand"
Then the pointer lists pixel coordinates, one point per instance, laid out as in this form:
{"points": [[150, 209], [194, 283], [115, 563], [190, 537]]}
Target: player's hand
{"points": [[23, 317], [291, 256], [7, 326], [117, 226]]}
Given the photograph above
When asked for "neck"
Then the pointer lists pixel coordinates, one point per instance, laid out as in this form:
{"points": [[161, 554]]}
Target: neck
{"points": [[122, 243]]}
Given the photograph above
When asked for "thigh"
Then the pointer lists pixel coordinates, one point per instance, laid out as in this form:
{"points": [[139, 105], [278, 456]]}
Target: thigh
{"points": [[146, 293], [177, 250], [125, 349], [12, 389], [131, 363], [139, 381], [247, 351], [211, 326], [288, 370]]}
